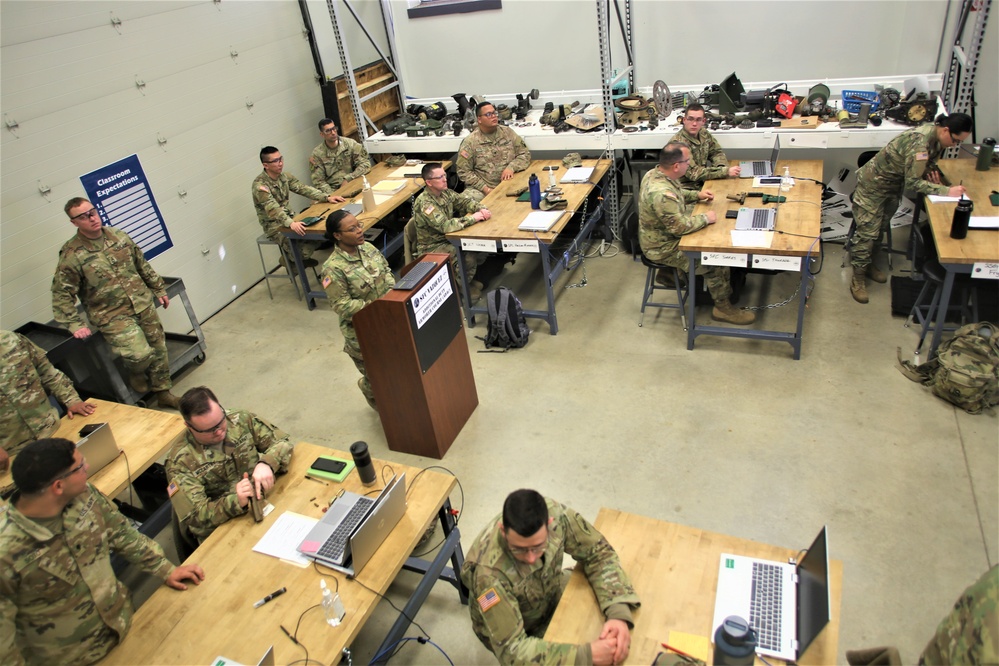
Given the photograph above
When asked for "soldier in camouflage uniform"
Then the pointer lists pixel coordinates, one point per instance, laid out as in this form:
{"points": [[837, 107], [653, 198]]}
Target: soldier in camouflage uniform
{"points": [[440, 211], [25, 411], [355, 274], [271, 191], [664, 216], [906, 164], [513, 572], [226, 457], [707, 159], [115, 283], [970, 633], [337, 159], [60, 602], [490, 154]]}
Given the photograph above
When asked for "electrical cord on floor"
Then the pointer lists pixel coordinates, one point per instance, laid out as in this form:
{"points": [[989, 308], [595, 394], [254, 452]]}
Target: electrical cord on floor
{"points": [[406, 639], [397, 609], [457, 514]]}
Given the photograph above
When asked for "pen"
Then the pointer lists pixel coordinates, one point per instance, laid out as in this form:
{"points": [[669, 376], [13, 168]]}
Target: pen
{"points": [[316, 480], [288, 635], [270, 596], [679, 652]]}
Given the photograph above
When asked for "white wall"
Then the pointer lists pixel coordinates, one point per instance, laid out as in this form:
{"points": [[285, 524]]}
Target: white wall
{"points": [[67, 77], [358, 45], [552, 45]]}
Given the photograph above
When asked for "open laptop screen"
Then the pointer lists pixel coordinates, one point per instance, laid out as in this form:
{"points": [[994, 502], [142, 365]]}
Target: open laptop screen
{"points": [[814, 609]]}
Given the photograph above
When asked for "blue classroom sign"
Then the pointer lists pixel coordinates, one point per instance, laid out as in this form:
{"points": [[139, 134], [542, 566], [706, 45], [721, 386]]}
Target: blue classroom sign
{"points": [[124, 200]]}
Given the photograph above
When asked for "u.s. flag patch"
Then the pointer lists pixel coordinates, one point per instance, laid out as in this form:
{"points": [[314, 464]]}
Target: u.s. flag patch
{"points": [[172, 489], [488, 599]]}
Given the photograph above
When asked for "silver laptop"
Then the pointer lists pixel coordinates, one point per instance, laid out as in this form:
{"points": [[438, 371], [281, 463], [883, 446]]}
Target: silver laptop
{"points": [[99, 448], [353, 208], [787, 605], [756, 168], [756, 219], [354, 527]]}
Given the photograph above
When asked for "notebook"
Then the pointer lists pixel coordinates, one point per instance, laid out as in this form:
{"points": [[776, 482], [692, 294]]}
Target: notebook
{"points": [[99, 448], [354, 527], [761, 167], [580, 174], [799, 604], [541, 220], [983, 223]]}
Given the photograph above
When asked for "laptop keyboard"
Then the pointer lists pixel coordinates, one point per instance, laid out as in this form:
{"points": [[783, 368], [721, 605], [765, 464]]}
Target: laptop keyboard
{"points": [[765, 605], [761, 168], [761, 218], [334, 546]]}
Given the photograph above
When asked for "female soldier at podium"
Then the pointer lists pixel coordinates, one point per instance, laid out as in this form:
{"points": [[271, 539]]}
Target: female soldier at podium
{"points": [[355, 274]]}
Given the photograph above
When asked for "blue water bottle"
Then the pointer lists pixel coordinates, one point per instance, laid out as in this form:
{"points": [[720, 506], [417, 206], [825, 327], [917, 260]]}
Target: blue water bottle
{"points": [[535, 188]]}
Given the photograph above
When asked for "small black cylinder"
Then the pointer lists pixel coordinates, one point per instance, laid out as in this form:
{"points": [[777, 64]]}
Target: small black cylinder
{"points": [[985, 154], [362, 460], [962, 215], [735, 643]]}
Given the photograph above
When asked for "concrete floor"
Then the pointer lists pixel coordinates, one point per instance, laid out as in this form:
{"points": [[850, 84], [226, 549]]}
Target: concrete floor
{"points": [[733, 437]]}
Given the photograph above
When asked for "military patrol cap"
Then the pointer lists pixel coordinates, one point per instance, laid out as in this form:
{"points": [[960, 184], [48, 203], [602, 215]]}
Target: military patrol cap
{"points": [[572, 160]]}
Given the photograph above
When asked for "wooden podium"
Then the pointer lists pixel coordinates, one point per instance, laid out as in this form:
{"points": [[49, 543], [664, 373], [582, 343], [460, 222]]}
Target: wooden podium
{"points": [[416, 355]]}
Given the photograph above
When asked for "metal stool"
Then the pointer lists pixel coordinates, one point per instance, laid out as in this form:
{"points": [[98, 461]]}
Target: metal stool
{"points": [[651, 287], [268, 274]]}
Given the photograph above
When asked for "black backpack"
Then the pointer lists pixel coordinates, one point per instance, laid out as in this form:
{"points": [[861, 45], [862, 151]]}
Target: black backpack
{"points": [[507, 325]]}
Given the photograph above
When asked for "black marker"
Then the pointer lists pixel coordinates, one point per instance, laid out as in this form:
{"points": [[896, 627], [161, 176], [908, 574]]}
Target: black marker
{"points": [[270, 596]]}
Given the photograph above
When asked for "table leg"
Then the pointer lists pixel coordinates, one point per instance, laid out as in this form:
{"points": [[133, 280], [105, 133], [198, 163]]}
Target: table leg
{"points": [[796, 342], [466, 299], [546, 262], [938, 325], [691, 299], [296, 252]]}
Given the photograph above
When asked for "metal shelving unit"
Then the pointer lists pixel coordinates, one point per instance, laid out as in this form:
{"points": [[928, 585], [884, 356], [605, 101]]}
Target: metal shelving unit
{"points": [[966, 47]]}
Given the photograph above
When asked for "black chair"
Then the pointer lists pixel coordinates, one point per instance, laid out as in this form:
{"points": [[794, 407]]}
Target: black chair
{"points": [[926, 267], [651, 287], [185, 542]]}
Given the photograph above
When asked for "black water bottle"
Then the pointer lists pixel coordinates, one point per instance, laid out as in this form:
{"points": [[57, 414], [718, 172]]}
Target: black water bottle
{"points": [[362, 460], [985, 154], [735, 643], [962, 215]]}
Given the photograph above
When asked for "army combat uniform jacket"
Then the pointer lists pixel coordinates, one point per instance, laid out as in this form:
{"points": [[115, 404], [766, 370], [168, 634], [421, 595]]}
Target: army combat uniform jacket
{"points": [[664, 216], [707, 159], [331, 167], [270, 200], [60, 602], [439, 215], [512, 603], [110, 276], [970, 632], [482, 157], [25, 375], [203, 478], [900, 166], [351, 282]]}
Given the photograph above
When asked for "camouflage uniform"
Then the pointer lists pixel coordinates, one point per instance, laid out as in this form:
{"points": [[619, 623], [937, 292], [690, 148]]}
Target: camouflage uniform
{"points": [[203, 478], [707, 159], [898, 167], [970, 633], [270, 200], [117, 287], [520, 599], [351, 282], [663, 216], [60, 602], [482, 158], [25, 375], [331, 167], [442, 214]]}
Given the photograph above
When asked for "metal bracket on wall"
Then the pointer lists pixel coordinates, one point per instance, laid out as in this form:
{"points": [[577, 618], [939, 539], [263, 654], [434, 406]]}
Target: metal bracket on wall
{"points": [[140, 84], [11, 124], [249, 104], [233, 53], [44, 189], [160, 139], [115, 22]]}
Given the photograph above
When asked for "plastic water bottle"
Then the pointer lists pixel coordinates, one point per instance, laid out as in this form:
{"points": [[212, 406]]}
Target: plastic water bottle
{"points": [[787, 181], [535, 188], [333, 617], [367, 197], [551, 178]]}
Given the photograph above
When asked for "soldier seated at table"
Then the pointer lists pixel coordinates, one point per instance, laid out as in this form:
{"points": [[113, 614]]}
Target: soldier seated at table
{"points": [[337, 159], [514, 574], [226, 458], [490, 154], [439, 211]]}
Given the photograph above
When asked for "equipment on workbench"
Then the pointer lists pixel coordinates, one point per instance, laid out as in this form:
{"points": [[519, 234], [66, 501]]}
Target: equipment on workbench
{"points": [[767, 198]]}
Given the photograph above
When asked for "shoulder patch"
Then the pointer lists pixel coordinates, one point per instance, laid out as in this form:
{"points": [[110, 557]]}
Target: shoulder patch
{"points": [[429, 209], [172, 489], [670, 195], [263, 188], [922, 157], [327, 280], [488, 599], [464, 153]]}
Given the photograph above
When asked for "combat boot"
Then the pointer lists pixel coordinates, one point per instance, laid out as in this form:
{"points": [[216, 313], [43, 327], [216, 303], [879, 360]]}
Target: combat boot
{"points": [[725, 311], [664, 278], [876, 274], [167, 399], [137, 380], [475, 290], [858, 285]]}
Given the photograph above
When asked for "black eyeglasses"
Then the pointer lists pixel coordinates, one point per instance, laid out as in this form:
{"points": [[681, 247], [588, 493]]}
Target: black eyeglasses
{"points": [[443, 175], [490, 114], [214, 428], [328, 130], [273, 161], [72, 471], [93, 213]]}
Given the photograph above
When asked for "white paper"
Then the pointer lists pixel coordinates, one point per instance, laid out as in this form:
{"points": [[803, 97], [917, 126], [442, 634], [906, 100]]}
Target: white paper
{"points": [[478, 245], [724, 259], [939, 198], [751, 238], [540, 220], [520, 245], [982, 222], [986, 270], [284, 536], [776, 262], [405, 171], [579, 174]]}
